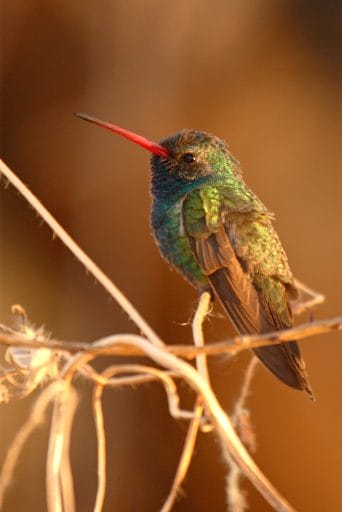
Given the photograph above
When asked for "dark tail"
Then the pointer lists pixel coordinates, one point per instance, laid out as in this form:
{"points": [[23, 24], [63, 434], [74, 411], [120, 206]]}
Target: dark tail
{"points": [[285, 362], [248, 316]]}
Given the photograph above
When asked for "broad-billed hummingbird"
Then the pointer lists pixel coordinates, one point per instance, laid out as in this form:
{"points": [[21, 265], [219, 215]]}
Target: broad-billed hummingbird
{"points": [[217, 233]]}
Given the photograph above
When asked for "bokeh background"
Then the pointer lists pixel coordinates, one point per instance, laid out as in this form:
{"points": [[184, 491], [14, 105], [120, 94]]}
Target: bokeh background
{"points": [[264, 75]]}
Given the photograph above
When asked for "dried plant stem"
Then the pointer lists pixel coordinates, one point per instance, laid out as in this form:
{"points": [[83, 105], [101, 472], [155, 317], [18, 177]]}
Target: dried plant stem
{"points": [[59, 485], [101, 446], [189, 445], [132, 380], [316, 298], [98, 415], [211, 405], [173, 400], [88, 263], [240, 343], [197, 332], [235, 496], [245, 390], [185, 459], [36, 418], [232, 346], [66, 477]]}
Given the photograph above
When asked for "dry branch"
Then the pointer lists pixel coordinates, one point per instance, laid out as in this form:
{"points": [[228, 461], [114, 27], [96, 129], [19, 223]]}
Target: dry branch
{"points": [[190, 440], [232, 346], [235, 496]]}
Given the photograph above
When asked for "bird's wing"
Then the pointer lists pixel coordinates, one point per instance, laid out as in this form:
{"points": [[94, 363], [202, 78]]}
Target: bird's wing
{"points": [[252, 305]]}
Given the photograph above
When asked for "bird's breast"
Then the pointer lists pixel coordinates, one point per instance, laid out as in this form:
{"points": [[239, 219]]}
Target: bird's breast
{"points": [[169, 233]]}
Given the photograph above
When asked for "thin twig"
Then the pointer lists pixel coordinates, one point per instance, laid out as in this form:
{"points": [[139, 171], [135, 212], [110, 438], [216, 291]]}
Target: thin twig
{"points": [[190, 440], [245, 390], [107, 375], [316, 298], [185, 458], [66, 477], [36, 418], [132, 380], [59, 488], [231, 346], [197, 332], [101, 446], [235, 496], [88, 263]]}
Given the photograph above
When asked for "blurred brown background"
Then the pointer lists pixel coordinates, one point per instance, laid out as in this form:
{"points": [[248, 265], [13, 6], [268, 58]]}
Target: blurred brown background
{"points": [[264, 76]]}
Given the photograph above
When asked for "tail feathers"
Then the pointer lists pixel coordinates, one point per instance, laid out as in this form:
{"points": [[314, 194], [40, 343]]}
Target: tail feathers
{"points": [[249, 316], [285, 362]]}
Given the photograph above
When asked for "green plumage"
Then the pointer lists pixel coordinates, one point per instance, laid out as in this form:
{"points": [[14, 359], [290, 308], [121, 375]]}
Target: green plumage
{"points": [[216, 232], [175, 248]]}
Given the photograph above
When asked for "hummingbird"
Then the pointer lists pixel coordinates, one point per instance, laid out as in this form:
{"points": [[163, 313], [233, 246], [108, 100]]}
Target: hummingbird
{"points": [[211, 227]]}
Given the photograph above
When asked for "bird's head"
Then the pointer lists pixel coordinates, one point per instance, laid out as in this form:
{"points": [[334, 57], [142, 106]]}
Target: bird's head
{"points": [[183, 161]]}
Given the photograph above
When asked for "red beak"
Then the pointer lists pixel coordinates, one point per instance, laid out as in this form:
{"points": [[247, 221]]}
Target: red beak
{"points": [[153, 147]]}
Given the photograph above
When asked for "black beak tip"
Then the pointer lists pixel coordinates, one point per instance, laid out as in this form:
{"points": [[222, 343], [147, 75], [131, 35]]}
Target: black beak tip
{"points": [[78, 114]]}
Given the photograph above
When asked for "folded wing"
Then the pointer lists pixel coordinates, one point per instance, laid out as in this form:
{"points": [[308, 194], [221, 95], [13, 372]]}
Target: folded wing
{"points": [[254, 303]]}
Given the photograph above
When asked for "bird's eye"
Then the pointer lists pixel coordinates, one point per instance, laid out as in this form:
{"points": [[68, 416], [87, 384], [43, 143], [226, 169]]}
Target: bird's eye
{"points": [[189, 158]]}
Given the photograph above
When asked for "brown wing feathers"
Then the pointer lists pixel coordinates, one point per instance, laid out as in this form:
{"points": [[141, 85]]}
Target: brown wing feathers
{"points": [[245, 307], [231, 284]]}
